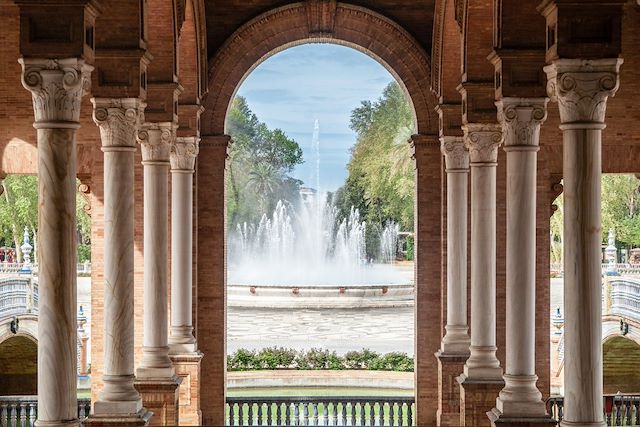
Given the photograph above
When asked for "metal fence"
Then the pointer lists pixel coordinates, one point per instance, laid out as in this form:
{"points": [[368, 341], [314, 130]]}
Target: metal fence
{"points": [[619, 410]]}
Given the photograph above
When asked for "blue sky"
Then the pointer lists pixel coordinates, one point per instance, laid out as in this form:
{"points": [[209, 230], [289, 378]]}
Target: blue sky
{"points": [[293, 88]]}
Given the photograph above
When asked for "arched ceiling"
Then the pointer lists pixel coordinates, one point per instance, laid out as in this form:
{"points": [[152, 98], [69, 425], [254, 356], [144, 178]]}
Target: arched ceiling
{"points": [[225, 17]]}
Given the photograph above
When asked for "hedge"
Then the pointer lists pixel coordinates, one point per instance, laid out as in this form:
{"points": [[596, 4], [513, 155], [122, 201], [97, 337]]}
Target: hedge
{"points": [[317, 359]]}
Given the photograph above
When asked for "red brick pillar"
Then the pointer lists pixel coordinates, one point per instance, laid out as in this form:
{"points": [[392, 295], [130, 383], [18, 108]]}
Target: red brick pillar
{"points": [[211, 258], [450, 366], [428, 274]]}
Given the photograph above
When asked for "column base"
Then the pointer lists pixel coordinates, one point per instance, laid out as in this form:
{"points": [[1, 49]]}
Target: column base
{"points": [[564, 423], [160, 396], [499, 420], [188, 370], [477, 397], [450, 366], [106, 420]]}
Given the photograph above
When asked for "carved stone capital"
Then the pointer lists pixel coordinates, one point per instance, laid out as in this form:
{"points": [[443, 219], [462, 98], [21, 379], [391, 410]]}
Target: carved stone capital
{"points": [[581, 87], [521, 119], [456, 155], [56, 86], [184, 151], [482, 141], [118, 120], [155, 140]]}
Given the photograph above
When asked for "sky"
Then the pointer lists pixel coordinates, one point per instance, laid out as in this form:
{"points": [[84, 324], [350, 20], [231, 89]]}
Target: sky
{"points": [[293, 88]]}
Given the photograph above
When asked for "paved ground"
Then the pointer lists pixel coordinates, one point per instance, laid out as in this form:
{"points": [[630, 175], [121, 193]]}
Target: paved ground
{"points": [[382, 329]]}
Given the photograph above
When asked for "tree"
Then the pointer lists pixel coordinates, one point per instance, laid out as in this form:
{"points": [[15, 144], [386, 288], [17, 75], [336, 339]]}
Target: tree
{"points": [[621, 208], [19, 209], [381, 170], [260, 161]]}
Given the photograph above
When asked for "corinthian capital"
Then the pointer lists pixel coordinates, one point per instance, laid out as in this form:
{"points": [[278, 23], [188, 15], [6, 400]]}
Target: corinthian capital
{"points": [[184, 152], [582, 87], [456, 155], [483, 141], [56, 86], [118, 120], [521, 119], [155, 140]]}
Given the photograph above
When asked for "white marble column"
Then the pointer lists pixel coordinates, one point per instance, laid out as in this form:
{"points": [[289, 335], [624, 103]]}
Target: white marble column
{"points": [[118, 120], [57, 87], [521, 119], [581, 88], [183, 156], [456, 155], [156, 139], [483, 141]]}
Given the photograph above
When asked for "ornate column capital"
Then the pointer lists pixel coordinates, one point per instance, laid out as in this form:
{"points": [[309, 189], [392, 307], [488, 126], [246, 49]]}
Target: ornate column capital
{"points": [[155, 140], [456, 155], [118, 120], [521, 119], [184, 151], [56, 86], [482, 141], [581, 88]]}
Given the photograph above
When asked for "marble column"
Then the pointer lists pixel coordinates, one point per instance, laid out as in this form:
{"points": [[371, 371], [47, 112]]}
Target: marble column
{"points": [[155, 140], [483, 141], [520, 401], [118, 120], [456, 338], [183, 157], [454, 348], [581, 88], [57, 86]]}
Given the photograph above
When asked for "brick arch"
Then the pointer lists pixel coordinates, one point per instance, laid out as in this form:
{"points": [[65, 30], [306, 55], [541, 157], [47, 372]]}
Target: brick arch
{"points": [[19, 365], [319, 22], [621, 358]]}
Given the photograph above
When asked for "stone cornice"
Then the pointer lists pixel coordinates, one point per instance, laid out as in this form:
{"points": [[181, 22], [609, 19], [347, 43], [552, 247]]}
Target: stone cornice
{"points": [[456, 155], [521, 119], [57, 87], [482, 141], [581, 88], [155, 140], [118, 120], [184, 151]]}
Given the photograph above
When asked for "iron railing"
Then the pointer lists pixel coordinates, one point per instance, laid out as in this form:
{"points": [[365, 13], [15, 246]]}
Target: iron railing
{"points": [[321, 411], [22, 411], [619, 410]]}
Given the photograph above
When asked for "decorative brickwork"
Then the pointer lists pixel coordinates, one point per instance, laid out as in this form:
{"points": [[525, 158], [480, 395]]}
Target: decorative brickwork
{"points": [[161, 397], [188, 370], [476, 399], [449, 368]]}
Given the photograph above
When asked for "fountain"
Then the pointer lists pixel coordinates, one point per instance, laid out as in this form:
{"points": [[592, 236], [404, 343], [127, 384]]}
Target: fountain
{"points": [[304, 249]]}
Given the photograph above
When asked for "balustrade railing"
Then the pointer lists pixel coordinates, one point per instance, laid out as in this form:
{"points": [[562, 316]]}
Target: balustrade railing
{"points": [[18, 295], [22, 411], [619, 410], [625, 297], [321, 411], [16, 268]]}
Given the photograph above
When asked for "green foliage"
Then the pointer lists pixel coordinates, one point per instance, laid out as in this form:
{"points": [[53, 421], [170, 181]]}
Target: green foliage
{"points": [[410, 248], [381, 171], [317, 359], [621, 208], [260, 160], [19, 209]]}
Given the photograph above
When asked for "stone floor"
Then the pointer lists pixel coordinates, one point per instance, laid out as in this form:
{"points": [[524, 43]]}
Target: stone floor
{"points": [[342, 330]]}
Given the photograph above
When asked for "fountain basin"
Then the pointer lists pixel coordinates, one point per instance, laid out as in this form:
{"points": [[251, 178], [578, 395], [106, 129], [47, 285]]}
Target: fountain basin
{"points": [[348, 296]]}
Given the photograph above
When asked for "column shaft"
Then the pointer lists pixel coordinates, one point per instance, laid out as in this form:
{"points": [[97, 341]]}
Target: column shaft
{"points": [[118, 119], [57, 87], [456, 339], [521, 120], [183, 154], [155, 140], [483, 142], [581, 88]]}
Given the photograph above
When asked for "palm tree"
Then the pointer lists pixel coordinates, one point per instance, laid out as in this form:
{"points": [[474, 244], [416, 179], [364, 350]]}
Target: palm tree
{"points": [[264, 180]]}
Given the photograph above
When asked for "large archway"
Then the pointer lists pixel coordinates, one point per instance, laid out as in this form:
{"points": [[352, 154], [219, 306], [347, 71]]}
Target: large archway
{"points": [[19, 366], [392, 46], [621, 358]]}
